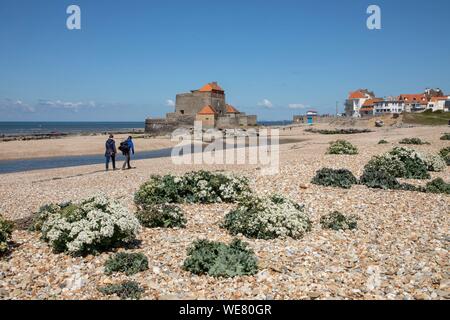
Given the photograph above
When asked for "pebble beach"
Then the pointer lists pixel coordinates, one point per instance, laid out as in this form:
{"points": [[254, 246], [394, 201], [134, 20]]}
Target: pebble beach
{"points": [[398, 251]]}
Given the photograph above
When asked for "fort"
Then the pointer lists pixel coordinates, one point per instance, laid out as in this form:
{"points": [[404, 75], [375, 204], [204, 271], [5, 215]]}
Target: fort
{"points": [[208, 105]]}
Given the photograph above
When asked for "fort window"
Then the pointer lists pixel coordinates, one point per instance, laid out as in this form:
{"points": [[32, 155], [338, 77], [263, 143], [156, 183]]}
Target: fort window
{"points": [[182, 111]]}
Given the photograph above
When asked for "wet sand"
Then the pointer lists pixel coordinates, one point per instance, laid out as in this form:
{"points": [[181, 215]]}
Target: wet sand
{"points": [[74, 146]]}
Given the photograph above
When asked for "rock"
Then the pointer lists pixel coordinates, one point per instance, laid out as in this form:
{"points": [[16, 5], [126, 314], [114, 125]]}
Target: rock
{"points": [[16, 293], [169, 297], [107, 281], [374, 280], [156, 270], [421, 296], [4, 293], [443, 294], [262, 276], [76, 282], [314, 295], [414, 237]]}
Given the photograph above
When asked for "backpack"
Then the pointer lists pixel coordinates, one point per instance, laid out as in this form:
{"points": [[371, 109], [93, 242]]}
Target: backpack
{"points": [[110, 146], [124, 147]]}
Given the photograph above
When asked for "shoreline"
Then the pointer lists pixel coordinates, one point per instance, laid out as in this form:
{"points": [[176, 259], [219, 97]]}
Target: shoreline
{"points": [[58, 135], [74, 145], [66, 161]]}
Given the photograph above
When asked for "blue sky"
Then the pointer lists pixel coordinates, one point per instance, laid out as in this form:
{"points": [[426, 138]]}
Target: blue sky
{"points": [[132, 56]]}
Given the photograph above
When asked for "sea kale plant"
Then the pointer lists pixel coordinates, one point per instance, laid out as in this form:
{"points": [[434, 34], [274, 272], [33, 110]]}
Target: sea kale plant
{"points": [[342, 147], [400, 163], [382, 141], [217, 259], [414, 141], [268, 218], [341, 178], [338, 131], [446, 136], [6, 229], [90, 226], [445, 154], [379, 179], [130, 290], [438, 186], [434, 162], [337, 221], [161, 216], [193, 187], [128, 263]]}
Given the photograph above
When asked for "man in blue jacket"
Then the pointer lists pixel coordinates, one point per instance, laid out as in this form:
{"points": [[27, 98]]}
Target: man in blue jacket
{"points": [[110, 153], [127, 147]]}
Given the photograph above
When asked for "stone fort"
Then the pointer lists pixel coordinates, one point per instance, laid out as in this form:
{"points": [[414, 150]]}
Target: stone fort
{"points": [[208, 105]]}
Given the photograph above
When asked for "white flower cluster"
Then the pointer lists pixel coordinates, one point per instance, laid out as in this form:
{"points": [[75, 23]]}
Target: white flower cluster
{"points": [[203, 190], [235, 188], [268, 218], [402, 153], [193, 187], [435, 162], [401, 163], [93, 223], [342, 147]]}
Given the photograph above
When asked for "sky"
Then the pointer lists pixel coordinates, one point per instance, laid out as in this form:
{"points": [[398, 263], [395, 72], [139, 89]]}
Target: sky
{"points": [[274, 58]]}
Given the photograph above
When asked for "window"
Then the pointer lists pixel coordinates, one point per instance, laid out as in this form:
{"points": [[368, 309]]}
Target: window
{"points": [[182, 111]]}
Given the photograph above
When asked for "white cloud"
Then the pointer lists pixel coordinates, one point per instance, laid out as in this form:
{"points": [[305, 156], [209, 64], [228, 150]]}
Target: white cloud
{"points": [[170, 103], [297, 106], [67, 105], [265, 103], [16, 105]]}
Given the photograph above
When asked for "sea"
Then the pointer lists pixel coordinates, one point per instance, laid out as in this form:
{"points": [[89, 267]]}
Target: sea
{"points": [[32, 128]]}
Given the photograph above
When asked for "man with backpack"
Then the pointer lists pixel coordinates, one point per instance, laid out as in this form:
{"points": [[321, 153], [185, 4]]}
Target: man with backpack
{"points": [[127, 147], [110, 152]]}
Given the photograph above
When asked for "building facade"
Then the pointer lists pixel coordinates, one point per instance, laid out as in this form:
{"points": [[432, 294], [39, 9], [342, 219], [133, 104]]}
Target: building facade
{"points": [[355, 102], [439, 104], [193, 102], [414, 102], [208, 116], [309, 118], [368, 108], [207, 105], [362, 103], [389, 107]]}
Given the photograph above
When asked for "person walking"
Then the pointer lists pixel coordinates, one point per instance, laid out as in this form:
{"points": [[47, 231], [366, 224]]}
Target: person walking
{"points": [[127, 147], [110, 153]]}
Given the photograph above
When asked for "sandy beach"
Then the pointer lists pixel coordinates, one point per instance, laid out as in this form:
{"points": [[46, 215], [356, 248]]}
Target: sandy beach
{"points": [[74, 146], [399, 251]]}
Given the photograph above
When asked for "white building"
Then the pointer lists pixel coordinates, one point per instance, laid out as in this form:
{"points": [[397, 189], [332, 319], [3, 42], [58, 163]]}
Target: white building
{"points": [[355, 102], [414, 102], [368, 107], [389, 106], [439, 104]]}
